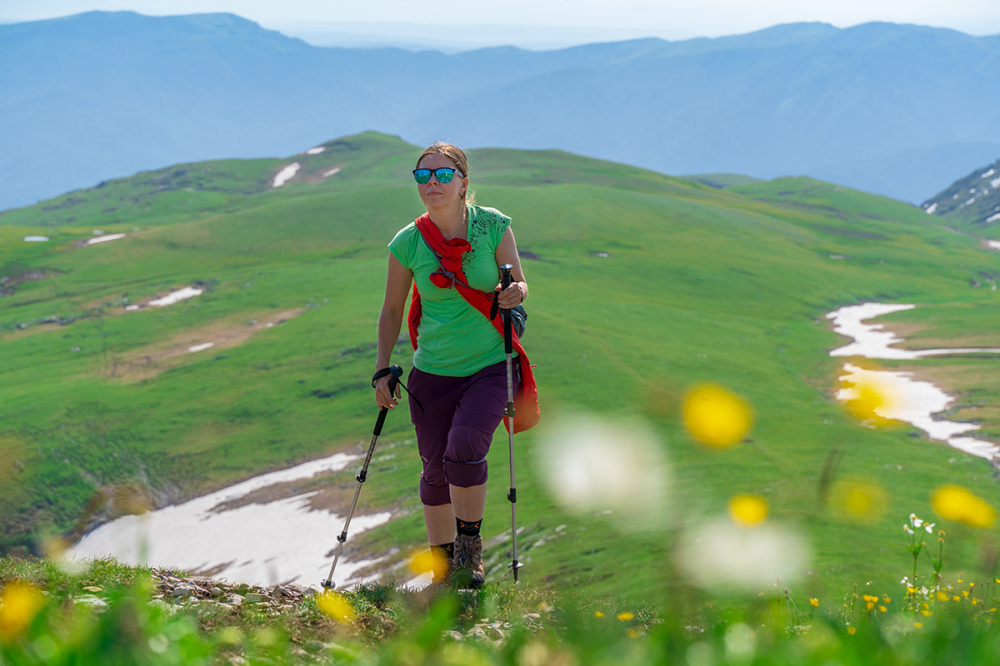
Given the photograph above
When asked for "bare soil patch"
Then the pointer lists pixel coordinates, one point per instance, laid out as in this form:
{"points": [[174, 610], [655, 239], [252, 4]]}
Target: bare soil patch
{"points": [[159, 357]]}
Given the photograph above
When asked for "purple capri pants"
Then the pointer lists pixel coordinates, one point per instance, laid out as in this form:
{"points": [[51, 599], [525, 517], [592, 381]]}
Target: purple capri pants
{"points": [[456, 427]]}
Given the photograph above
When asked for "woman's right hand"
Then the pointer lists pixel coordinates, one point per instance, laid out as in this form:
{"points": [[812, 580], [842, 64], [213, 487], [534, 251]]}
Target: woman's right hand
{"points": [[383, 396]]}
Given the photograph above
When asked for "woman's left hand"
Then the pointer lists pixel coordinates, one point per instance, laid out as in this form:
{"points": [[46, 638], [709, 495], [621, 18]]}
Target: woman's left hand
{"points": [[510, 297]]}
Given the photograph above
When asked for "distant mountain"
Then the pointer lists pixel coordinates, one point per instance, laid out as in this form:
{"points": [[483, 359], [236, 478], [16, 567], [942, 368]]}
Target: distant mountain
{"points": [[886, 108], [974, 199]]}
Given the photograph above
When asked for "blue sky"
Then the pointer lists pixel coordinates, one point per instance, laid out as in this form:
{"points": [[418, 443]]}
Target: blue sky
{"points": [[532, 22]]}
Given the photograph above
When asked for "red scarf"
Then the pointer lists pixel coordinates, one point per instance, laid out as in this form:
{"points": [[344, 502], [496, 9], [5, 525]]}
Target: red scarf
{"points": [[526, 413]]}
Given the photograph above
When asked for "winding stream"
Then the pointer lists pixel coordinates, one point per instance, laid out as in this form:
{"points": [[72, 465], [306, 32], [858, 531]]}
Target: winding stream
{"points": [[916, 401]]}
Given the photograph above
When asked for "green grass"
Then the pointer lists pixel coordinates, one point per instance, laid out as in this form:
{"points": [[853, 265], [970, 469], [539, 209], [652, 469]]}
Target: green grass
{"points": [[698, 284], [108, 613]]}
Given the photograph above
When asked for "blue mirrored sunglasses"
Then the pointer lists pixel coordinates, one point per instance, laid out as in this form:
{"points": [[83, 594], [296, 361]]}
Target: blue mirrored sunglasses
{"points": [[443, 175]]}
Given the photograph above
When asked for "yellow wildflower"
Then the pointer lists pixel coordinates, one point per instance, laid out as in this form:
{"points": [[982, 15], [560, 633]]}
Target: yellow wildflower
{"points": [[958, 504], [429, 561], [814, 602], [19, 604], [626, 616], [883, 609], [942, 596], [716, 417], [859, 501], [918, 625], [336, 606], [852, 630], [926, 613], [598, 614], [868, 398], [748, 510]]}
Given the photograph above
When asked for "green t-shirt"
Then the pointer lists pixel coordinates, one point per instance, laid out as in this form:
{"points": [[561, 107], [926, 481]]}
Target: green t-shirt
{"points": [[453, 338]]}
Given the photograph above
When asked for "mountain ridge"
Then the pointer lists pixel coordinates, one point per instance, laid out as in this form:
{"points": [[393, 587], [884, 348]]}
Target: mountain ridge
{"points": [[88, 99]]}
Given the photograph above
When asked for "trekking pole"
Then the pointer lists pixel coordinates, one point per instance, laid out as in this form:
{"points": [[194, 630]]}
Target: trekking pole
{"points": [[395, 372], [508, 346]]}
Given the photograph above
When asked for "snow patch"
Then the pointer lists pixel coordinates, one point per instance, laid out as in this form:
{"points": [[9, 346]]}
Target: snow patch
{"points": [[995, 183], [286, 174], [871, 341], [970, 202], [989, 173], [931, 208], [201, 347], [993, 218], [35, 239], [259, 543], [315, 151], [102, 239], [914, 402], [327, 174], [176, 296], [994, 244]]}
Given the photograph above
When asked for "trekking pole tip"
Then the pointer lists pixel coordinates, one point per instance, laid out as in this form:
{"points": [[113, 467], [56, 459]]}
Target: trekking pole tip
{"points": [[328, 584]]}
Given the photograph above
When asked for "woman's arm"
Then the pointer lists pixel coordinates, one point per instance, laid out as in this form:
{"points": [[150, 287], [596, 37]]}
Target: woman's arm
{"points": [[390, 322], [506, 253]]}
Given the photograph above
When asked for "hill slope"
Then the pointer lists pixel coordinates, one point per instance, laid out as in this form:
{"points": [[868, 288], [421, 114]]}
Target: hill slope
{"points": [[642, 286], [973, 200], [103, 95]]}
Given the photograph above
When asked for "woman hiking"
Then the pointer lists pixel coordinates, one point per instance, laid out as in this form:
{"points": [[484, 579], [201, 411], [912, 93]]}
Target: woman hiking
{"points": [[451, 256]]}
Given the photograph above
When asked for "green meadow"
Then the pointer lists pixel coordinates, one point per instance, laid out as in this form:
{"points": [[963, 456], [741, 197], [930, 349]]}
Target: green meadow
{"points": [[642, 287]]}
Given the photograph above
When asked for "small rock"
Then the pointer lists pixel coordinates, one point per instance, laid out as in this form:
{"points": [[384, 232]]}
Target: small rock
{"points": [[182, 592], [90, 600], [532, 617], [454, 635], [92, 588], [235, 600], [493, 631], [254, 598], [162, 605]]}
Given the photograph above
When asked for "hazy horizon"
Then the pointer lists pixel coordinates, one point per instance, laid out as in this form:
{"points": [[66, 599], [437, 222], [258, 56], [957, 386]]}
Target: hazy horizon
{"points": [[534, 24]]}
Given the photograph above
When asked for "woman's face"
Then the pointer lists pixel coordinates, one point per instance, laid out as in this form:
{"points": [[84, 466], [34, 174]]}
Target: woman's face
{"points": [[439, 195]]}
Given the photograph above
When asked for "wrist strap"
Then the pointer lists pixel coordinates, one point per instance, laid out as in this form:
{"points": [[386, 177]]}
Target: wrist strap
{"points": [[397, 373]]}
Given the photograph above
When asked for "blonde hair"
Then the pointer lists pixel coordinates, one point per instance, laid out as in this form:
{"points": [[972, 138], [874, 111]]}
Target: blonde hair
{"points": [[457, 157]]}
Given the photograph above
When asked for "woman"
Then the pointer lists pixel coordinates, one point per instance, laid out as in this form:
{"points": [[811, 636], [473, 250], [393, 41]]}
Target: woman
{"points": [[459, 364]]}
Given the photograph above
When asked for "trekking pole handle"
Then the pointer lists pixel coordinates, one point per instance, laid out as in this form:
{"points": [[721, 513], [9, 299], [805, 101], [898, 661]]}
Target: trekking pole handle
{"points": [[505, 280], [395, 372]]}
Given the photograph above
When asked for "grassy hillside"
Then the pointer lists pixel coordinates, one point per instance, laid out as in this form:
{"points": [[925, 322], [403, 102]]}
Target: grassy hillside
{"points": [[642, 287]]}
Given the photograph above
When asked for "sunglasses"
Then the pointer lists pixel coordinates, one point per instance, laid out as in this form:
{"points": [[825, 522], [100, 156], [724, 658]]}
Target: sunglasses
{"points": [[443, 175]]}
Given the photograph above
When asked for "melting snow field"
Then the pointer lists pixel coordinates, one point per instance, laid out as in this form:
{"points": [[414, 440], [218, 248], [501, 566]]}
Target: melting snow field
{"points": [[871, 341], [286, 174], [259, 544], [914, 402], [315, 151], [103, 239], [176, 296]]}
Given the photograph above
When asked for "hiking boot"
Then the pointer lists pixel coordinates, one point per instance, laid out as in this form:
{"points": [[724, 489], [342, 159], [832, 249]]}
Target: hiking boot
{"points": [[467, 562]]}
